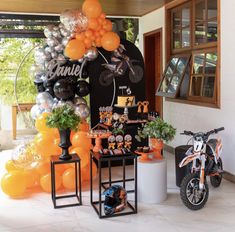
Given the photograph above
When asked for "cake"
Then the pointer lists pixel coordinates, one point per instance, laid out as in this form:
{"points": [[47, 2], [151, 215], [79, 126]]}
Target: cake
{"points": [[127, 100]]}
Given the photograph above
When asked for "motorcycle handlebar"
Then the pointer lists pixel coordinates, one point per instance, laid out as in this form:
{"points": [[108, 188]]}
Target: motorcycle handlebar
{"points": [[187, 133], [215, 131]]}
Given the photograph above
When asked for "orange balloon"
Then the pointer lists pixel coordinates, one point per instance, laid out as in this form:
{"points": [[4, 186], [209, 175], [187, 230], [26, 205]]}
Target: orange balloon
{"points": [[102, 32], [80, 36], [14, 184], [98, 42], [68, 179], [40, 123], [88, 33], [86, 171], [100, 20], [31, 178], [110, 41], [75, 49], [43, 168], [87, 43], [46, 147], [93, 23], [84, 155], [84, 126], [103, 15], [59, 169], [91, 8], [108, 26], [10, 166], [80, 139], [45, 182]]}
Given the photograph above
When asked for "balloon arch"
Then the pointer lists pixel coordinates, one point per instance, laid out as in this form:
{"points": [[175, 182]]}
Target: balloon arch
{"points": [[60, 77]]}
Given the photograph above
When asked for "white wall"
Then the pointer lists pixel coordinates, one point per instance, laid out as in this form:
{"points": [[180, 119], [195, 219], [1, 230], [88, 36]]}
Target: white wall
{"points": [[195, 118]]}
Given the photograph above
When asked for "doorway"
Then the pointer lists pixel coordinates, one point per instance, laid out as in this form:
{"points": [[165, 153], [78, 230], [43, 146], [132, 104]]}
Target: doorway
{"points": [[153, 69]]}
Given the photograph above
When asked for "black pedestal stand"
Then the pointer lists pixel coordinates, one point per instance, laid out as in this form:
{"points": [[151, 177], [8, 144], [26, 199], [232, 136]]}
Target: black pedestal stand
{"points": [[98, 205], [55, 160]]}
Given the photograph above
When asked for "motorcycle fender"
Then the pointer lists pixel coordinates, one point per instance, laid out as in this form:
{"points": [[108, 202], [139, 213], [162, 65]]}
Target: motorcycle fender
{"points": [[188, 159]]}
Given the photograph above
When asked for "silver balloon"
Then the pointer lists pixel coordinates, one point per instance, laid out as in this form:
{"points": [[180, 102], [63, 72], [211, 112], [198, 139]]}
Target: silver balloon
{"points": [[61, 59], [49, 49], [45, 101], [52, 42], [47, 56], [56, 34], [74, 20], [81, 60], [79, 100], [35, 111], [64, 32], [48, 31], [40, 77], [91, 54], [54, 54], [82, 110], [65, 40], [40, 56], [61, 25], [59, 48]]}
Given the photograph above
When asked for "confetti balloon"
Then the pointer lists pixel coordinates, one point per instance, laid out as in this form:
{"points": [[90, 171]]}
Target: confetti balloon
{"points": [[25, 156], [74, 20]]}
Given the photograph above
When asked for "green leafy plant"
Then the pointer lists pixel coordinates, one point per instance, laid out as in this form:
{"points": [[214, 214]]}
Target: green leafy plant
{"points": [[158, 129], [63, 117], [118, 131]]}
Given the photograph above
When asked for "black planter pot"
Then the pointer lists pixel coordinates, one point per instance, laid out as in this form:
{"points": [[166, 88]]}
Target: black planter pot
{"points": [[65, 144]]}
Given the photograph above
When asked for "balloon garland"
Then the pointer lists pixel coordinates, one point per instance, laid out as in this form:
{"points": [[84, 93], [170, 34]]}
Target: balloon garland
{"points": [[76, 38]]}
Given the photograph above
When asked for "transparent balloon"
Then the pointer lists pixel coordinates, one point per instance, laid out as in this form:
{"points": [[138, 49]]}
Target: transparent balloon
{"points": [[36, 111], [74, 20], [45, 101], [25, 156]]}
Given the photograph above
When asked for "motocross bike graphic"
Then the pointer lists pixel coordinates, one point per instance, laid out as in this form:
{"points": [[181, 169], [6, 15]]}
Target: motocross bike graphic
{"points": [[120, 64], [204, 158]]}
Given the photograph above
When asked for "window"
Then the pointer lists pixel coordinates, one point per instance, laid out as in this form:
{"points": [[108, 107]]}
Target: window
{"points": [[173, 76], [192, 29], [181, 27]]}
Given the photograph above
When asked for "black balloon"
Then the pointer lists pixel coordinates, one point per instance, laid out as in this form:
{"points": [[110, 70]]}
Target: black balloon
{"points": [[64, 90], [48, 85], [85, 73], [83, 88]]}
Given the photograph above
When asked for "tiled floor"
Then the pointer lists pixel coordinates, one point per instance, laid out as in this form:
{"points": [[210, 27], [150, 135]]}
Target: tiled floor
{"points": [[37, 214]]}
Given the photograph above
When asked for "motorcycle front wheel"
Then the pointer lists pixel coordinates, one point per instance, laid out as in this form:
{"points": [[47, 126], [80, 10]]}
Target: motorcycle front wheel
{"points": [[192, 197], [216, 180], [137, 75], [106, 78]]}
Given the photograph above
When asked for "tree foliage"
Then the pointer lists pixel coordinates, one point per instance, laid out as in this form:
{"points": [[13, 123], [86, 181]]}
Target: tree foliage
{"points": [[12, 51]]}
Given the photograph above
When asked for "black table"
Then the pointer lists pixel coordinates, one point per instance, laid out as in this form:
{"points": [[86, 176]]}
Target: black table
{"points": [[104, 184]]}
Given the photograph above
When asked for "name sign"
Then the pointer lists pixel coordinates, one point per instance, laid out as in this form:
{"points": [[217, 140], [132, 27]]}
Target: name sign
{"points": [[57, 69]]}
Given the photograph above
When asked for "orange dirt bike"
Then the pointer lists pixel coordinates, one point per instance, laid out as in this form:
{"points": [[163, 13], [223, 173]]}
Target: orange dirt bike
{"points": [[204, 158]]}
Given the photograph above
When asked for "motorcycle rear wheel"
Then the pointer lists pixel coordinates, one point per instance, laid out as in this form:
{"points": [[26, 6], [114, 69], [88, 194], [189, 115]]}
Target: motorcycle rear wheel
{"points": [[216, 180], [191, 196]]}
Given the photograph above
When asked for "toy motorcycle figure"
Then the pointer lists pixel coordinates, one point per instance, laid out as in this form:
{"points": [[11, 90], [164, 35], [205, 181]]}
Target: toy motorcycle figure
{"points": [[204, 158]]}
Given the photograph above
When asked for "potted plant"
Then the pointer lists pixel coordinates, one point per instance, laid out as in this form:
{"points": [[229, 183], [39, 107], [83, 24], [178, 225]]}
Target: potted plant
{"points": [[157, 131], [64, 119]]}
